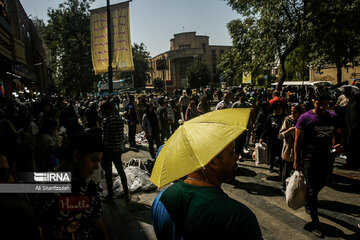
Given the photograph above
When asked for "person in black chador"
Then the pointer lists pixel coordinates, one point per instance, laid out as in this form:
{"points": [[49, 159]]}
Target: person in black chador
{"points": [[270, 135], [352, 132], [150, 124], [261, 119]]}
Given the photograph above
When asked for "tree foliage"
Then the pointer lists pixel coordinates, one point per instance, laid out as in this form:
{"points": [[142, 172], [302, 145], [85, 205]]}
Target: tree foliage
{"points": [[67, 35], [333, 33], [267, 33], [198, 74], [141, 65], [297, 65], [230, 68], [158, 84], [273, 32]]}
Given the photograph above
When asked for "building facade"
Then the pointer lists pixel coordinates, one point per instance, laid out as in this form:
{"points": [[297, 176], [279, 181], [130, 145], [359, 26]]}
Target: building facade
{"points": [[185, 48], [329, 73], [22, 55]]}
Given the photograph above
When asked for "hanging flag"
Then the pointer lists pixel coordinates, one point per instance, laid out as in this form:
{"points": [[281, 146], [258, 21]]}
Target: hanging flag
{"points": [[120, 39], [246, 77]]}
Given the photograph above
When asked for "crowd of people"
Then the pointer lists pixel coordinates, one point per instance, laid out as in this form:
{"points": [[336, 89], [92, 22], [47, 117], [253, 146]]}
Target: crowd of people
{"points": [[54, 134], [302, 131]]}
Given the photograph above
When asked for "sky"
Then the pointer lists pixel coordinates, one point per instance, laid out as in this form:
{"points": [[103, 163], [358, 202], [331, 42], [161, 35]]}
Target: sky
{"points": [[154, 22]]}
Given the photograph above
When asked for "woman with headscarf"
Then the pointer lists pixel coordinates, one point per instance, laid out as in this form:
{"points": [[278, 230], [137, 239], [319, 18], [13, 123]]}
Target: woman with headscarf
{"points": [[150, 124], [287, 133], [177, 113], [204, 105], [261, 118], [270, 135]]}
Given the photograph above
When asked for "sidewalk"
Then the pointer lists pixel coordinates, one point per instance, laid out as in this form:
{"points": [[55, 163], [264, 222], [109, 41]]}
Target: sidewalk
{"points": [[341, 173], [130, 220]]}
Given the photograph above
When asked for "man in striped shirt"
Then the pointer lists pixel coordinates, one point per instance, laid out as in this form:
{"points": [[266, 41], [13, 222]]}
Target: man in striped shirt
{"points": [[113, 138]]}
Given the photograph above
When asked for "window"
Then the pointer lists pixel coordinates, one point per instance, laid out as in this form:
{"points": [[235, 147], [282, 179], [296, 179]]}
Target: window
{"points": [[185, 46], [203, 45], [214, 68], [183, 67], [213, 54]]}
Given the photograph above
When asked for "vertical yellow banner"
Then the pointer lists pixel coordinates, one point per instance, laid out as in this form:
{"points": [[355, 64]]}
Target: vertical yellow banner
{"points": [[120, 36], [246, 77]]}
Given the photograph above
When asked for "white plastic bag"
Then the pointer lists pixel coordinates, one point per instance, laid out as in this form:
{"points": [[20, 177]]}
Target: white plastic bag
{"points": [[296, 190], [261, 154], [139, 178], [96, 177]]}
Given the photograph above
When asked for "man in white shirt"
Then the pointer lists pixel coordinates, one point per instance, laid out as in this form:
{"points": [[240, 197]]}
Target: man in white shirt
{"points": [[184, 101], [225, 103]]}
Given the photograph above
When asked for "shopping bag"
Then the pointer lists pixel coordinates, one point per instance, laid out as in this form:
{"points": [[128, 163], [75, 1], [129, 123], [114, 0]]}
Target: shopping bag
{"points": [[296, 190], [261, 154]]}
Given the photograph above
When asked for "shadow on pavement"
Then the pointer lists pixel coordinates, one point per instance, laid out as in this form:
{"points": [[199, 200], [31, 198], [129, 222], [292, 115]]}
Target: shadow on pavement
{"points": [[120, 222], [240, 171], [345, 185], [257, 189], [340, 207], [344, 223], [275, 178], [253, 166], [333, 232], [142, 212], [130, 149]]}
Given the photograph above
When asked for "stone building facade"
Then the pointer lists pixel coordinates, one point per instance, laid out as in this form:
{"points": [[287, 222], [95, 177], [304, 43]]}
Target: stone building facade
{"points": [[185, 48]]}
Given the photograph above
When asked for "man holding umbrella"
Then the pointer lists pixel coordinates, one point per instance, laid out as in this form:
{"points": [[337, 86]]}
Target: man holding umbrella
{"points": [[197, 208]]}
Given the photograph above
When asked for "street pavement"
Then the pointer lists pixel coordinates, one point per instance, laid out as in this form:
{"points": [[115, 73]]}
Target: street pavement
{"points": [[254, 186]]}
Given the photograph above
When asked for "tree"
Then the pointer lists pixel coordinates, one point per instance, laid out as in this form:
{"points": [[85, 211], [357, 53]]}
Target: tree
{"points": [[39, 25], [229, 67], [67, 35], [198, 74], [141, 65], [297, 65], [333, 34], [267, 33], [158, 84]]}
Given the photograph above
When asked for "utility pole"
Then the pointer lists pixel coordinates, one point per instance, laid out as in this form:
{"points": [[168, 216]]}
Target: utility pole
{"points": [[110, 72]]}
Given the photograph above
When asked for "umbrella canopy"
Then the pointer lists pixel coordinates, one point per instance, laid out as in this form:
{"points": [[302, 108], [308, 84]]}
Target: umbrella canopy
{"points": [[354, 89], [196, 142]]}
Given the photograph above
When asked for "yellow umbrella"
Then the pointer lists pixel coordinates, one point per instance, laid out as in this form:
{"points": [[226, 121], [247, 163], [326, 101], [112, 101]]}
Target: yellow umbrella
{"points": [[196, 142]]}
